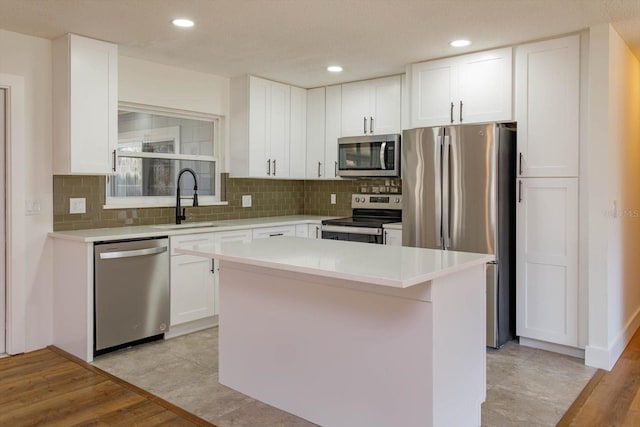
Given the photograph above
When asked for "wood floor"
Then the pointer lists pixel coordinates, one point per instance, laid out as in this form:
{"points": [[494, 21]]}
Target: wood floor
{"points": [[49, 387], [610, 398]]}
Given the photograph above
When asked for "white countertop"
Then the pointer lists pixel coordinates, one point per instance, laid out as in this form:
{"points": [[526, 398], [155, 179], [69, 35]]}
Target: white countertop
{"points": [[393, 226], [393, 266], [143, 231]]}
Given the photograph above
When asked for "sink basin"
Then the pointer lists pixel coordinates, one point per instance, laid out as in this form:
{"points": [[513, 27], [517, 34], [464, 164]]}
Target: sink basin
{"points": [[186, 225]]}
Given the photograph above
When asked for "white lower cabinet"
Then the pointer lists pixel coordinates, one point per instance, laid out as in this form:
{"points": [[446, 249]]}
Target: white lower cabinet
{"points": [[547, 260], [314, 231], [194, 280], [393, 237]]}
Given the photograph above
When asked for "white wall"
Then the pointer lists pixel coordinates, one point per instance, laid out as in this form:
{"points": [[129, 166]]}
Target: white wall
{"points": [[613, 158], [30, 58]]}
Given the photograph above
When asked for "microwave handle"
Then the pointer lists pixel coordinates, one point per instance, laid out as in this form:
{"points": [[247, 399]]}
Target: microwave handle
{"points": [[383, 152]]}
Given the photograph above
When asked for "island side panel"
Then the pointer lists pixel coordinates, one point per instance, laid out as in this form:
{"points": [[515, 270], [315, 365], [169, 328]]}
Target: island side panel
{"points": [[332, 355], [459, 306]]}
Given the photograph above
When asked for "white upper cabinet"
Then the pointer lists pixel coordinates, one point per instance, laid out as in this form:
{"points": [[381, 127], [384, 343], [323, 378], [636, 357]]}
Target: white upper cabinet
{"points": [[298, 133], [85, 109], [333, 114], [315, 133], [547, 260], [547, 101], [260, 128], [371, 107], [470, 88]]}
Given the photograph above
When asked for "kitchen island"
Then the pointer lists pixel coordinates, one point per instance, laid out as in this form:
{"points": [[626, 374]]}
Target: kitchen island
{"points": [[352, 334]]}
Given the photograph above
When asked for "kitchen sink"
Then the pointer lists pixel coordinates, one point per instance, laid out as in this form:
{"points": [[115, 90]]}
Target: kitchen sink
{"points": [[186, 225]]}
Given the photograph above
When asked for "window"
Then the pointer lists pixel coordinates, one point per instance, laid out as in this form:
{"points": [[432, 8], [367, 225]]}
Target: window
{"points": [[153, 147]]}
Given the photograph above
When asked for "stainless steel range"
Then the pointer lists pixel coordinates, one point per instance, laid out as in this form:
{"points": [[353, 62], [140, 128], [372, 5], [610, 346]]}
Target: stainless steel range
{"points": [[370, 213]]}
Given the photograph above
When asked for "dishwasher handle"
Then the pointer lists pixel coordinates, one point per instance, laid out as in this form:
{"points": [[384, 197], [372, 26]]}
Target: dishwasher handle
{"points": [[134, 253]]}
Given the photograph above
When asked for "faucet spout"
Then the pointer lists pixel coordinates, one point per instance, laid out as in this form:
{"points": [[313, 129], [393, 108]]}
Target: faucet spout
{"points": [[180, 212]]}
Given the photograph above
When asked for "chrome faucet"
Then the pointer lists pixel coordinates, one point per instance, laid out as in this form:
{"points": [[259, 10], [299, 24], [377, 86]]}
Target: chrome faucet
{"points": [[180, 215]]}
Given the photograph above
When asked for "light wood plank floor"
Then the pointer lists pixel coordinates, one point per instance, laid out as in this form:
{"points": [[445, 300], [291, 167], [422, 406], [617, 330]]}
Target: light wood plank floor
{"points": [[50, 387], [610, 398]]}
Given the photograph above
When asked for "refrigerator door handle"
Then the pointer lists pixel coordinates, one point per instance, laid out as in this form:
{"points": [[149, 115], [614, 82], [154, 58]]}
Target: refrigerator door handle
{"points": [[446, 193]]}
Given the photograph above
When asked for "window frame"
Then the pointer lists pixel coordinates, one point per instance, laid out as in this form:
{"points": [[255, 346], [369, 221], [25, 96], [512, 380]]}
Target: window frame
{"points": [[112, 202]]}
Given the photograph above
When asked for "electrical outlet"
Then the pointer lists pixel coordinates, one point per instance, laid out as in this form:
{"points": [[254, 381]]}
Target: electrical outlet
{"points": [[246, 201], [77, 205], [333, 199]]}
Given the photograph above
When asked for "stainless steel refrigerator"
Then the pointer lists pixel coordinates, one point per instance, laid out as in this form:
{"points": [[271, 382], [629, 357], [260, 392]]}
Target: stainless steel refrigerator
{"points": [[458, 187]]}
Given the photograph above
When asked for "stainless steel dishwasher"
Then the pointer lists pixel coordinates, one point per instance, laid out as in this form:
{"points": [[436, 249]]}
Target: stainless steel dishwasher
{"points": [[131, 291]]}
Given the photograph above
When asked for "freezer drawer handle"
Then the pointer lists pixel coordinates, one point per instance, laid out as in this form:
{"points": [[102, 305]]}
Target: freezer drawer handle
{"points": [[134, 253]]}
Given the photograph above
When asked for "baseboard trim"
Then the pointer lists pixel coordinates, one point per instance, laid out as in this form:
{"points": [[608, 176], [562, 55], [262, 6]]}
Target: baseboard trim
{"points": [[190, 327], [556, 348], [606, 358]]}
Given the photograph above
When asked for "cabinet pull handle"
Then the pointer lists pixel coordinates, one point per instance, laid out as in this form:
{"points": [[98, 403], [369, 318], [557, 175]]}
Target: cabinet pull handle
{"points": [[520, 191], [335, 170], [274, 167], [370, 124], [319, 165], [365, 125], [386, 233], [269, 167], [276, 234], [460, 111], [317, 229], [213, 269], [519, 163], [451, 112], [114, 160]]}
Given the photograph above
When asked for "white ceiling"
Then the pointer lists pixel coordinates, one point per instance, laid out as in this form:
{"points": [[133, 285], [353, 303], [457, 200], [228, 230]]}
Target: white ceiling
{"points": [[293, 41]]}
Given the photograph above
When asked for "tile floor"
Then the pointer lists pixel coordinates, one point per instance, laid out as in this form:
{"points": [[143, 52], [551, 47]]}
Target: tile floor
{"points": [[524, 386]]}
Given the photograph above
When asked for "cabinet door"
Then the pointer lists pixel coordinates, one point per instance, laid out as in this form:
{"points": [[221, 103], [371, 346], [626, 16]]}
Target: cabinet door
{"points": [[355, 109], [315, 133], [333, 114], [85, 73], [259, 127], [432, 93], [547, 100], [298, 133], [484, 87], [192, 288], [547, 260], [280, 116], [314, 231], [385, 96], [393, 237]]}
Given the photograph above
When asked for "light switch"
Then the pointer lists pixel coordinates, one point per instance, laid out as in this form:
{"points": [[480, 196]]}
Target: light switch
{"points": [[77, 205], [246, 201]]}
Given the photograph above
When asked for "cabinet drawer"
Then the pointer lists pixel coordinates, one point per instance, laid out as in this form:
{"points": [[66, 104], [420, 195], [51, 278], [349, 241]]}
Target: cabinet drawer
{"points": [[188, 240], [283, 230], [232, 236]]}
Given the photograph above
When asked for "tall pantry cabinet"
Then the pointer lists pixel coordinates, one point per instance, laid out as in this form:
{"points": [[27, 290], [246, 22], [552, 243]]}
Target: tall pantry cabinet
{"points": [[547, 105]]}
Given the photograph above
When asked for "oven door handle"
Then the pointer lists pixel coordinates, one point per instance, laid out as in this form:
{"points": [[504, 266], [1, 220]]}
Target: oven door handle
{"points": [[383, 151], [352, 230]]}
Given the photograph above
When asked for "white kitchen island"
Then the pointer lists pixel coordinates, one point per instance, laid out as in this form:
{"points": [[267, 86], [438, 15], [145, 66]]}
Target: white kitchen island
{"points": [[353, 334]]}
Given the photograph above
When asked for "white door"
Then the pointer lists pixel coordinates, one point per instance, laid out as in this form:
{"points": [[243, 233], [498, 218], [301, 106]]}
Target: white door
{"points": [[332, 130], [279, 132], [259, 113], [432, 93], [355, 109], [547, 260], [315, 133], [547, 100], [3, 302], [385, 106]]}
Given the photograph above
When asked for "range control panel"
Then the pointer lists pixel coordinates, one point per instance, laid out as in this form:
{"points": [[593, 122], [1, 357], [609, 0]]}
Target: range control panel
{"points": [[376, 201]]}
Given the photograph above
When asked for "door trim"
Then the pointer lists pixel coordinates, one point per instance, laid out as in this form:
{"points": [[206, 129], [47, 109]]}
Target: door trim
{"points": [[15, 222]]}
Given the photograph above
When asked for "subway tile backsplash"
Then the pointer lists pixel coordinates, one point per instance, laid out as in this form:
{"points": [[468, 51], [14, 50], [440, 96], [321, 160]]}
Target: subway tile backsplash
{"points": [[270, 197]]}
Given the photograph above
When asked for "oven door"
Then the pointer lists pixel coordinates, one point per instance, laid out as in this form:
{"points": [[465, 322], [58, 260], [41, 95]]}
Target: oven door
{"points": [[362, 156], [353, 234]]}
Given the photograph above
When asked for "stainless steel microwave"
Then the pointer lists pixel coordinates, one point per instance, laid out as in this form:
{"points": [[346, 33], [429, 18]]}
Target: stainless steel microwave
{"points": [[369, 156]]}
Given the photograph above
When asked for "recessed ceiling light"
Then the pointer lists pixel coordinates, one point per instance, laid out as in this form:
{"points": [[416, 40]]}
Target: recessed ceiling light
{"points": [[182, 22], [460, 43], [334, 68]]}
